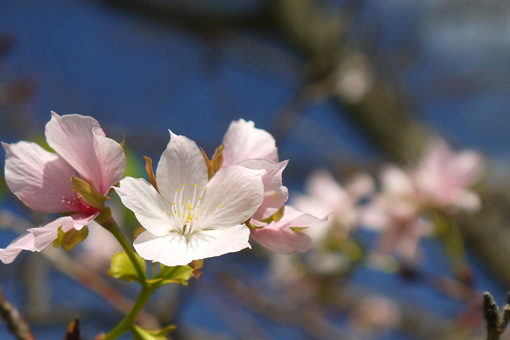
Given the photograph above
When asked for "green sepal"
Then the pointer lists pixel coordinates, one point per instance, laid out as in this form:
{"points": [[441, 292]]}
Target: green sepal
{"points": [[175, 274], [89, 194], [121, 267], [104, 215], [276, 217], [140, 333], [70, 239], [298, 229]]}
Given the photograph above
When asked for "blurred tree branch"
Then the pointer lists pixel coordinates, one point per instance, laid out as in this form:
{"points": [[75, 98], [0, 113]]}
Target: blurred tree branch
{"points": [[17, 325]]}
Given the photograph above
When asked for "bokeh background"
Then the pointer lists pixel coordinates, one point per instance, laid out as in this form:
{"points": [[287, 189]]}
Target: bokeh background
{"points": [[346, 85]]}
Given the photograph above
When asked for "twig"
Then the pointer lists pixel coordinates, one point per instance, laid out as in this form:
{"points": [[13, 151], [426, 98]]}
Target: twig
{"points": [[496, 323], [17, 325]]}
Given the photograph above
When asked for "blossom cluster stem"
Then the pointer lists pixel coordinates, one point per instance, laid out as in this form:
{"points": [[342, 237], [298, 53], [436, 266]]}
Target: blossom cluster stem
{"points": [[129, 320], [113, 228]]}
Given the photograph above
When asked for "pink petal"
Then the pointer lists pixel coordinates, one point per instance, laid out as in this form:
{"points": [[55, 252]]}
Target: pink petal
{"points": [[232, 196], [24, 242], [39, 178], [72, 137], [181, 166], [275, 193], [278, 237], [45, 235], [112, 161], [243, 141], [282, 241], [81, 142], [36, 239]]}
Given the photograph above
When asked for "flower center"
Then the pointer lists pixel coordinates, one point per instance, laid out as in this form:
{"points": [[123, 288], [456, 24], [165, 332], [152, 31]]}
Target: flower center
{"points": [[77, 203], [188, 210]]}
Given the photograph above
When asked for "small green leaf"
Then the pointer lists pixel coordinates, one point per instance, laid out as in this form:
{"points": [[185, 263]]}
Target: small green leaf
{"points": [[149, 334], [89, 194], [121, 267], [70, 239], [175, 274]]}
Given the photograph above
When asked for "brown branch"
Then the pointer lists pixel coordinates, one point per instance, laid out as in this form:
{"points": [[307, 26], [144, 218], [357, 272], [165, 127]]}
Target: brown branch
{"points": [[17, 325]]}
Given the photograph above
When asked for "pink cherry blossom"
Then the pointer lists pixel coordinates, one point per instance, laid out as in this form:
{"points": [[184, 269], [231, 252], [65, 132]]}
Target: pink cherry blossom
{"points": [[325, 196], [443, 177], [188, 217], [254, 148], [395, 213], [42, 179]]}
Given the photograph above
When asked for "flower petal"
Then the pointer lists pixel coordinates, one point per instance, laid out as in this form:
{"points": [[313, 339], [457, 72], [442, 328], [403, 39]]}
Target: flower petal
{"points": [[275, 193], [149, 207], [39, 178], [170, 250], [278, 237], [216, 242], [73, 138], [24, 242], [46, 234], [36, 239], [181, 163], [243, 141], [112, 161], [232, 196]]}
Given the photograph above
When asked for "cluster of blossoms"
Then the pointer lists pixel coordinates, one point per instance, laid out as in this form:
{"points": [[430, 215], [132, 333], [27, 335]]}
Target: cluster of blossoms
{"points": [[400, 211], [192, 208]]}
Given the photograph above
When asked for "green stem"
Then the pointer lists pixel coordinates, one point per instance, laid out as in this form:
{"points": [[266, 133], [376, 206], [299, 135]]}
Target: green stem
{"points": [[129, 319], [113, 228]]}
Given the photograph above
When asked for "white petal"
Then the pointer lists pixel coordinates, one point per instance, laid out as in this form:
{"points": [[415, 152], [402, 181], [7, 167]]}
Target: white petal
{"points": [[170, 250], [216, 242], [39, 178], [243, 141], [232, 196], [181, 163], [149, 207]]}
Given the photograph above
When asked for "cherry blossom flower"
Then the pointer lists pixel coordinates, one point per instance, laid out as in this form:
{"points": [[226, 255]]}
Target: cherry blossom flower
{"points": [[254, 148], [188, 217], [325, 196], [395, 213], [443, 177], [42, 179]]}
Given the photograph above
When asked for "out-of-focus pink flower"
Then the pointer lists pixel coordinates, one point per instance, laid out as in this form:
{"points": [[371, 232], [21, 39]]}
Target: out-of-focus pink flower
{"points": [[325, 196], [254, 148], [443, 177], [279, 236], [441, 180], [375, 314], [395, 213], [42, 179], [188, 217]]}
